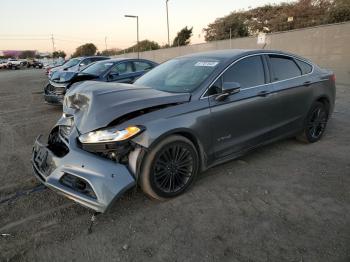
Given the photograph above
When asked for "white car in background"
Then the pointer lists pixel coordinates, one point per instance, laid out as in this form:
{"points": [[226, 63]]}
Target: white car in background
{"points": [[14, 63]]}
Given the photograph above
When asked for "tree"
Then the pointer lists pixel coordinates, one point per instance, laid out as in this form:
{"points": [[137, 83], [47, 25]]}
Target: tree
{"points": [[58, 54], [109, 52], [273, 18], [183, 37], [144, 45], [27, 54], [85, 50], [340, 11], [233, 24]]}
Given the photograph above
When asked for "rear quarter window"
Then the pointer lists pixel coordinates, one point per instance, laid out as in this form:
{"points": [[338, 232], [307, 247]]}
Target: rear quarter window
{"points": [[306, 68], [283, 67]]}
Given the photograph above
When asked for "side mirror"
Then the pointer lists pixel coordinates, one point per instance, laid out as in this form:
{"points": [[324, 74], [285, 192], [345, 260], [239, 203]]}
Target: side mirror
{"points": [[111, 76], [228, 88]]}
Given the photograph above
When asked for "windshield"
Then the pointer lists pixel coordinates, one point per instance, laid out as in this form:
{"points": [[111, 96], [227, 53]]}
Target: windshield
{"points": [[72, 62], [98, 68], [180, 75]]}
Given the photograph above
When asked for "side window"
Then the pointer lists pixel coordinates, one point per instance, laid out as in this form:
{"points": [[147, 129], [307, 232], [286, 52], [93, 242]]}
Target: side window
{"points": [[98, 59], [142, 66], [122, 68], [248, 72], [85, 62], [283, 67], [305, 67]]}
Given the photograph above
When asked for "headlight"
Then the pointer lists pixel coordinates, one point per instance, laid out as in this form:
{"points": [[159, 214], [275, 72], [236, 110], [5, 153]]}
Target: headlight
{"points": [[110, 135]]}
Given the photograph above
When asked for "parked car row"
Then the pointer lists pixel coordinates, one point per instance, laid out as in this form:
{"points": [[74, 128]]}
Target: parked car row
{"points": [[17, 64], [175, 121], [52, 65], [111, 70], [76, 64]]}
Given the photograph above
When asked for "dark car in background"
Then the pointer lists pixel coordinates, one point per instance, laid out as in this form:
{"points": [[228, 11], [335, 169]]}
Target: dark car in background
{"points": [[77, 64], [114, 70], [179, 119], [35, 64]]}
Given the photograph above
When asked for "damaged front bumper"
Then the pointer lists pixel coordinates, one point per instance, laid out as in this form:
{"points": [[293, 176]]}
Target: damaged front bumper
{"points": [[91, 180], [54, 94]]}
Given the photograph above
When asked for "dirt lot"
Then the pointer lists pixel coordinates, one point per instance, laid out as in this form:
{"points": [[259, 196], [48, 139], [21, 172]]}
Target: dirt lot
{"points": [[284, 202]]}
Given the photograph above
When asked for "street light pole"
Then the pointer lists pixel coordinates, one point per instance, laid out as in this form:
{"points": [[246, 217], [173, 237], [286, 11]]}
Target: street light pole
{"points": [[167, 19], [137, 21]]}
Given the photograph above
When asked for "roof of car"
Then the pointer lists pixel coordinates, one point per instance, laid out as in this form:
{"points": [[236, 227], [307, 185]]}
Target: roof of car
{"points": [[84, 57], [230, 53], [118, 59]]}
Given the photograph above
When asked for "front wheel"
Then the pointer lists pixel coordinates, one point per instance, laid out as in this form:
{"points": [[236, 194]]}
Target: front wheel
{"points": [[169, 168], [316, 122]]}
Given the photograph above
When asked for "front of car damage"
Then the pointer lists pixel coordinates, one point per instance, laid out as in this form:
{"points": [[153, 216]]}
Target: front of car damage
{"points": [[60, 82], [91, 156]]}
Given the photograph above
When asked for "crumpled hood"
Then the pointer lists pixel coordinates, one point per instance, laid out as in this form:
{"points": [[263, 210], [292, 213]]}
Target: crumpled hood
{"points": [[96, 104], [62, 76]]}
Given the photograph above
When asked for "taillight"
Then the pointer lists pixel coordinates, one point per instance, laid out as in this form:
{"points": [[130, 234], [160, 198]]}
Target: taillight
{"points": [[333, 78]]}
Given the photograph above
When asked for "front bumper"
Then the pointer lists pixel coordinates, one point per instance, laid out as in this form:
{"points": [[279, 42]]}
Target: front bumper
{"points": [[54, 95], [53, 99], [107, 179]]}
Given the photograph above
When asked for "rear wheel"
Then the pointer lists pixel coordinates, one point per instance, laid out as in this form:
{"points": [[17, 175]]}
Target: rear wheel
{"points": [[170, 168], [316, 123]]}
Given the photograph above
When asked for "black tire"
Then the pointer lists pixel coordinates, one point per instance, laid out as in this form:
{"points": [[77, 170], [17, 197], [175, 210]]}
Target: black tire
{"points": [[315, 124], [163, 179]]}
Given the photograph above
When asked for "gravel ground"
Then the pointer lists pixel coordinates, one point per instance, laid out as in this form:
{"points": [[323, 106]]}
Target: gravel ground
{"points": [[284, 202]]}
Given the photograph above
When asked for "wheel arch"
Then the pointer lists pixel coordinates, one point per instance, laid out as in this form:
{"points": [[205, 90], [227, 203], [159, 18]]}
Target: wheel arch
{"points": [[324, 100], [187, 133]]}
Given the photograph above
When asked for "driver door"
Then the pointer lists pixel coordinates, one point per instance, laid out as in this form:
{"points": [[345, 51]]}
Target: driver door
{"points": [[244, 119]]}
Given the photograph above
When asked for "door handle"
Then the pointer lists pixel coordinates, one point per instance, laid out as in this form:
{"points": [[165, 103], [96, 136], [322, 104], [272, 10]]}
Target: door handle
{"points": [[307, 83], [263, 93]]}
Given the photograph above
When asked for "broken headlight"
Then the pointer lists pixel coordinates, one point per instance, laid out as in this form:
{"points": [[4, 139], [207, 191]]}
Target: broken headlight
{"points": [[110, 135]]}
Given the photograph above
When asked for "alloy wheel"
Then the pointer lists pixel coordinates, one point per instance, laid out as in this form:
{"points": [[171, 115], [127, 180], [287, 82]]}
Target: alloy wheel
{"points": [[173, 168], [317, 122]]}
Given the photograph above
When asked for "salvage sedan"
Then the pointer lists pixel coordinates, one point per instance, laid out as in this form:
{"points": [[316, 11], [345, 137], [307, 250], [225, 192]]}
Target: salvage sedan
{"points": [[115, 70], [179, 119]]}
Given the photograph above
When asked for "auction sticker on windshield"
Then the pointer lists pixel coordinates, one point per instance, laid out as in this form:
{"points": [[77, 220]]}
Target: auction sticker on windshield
{"points": [[210, 64]]}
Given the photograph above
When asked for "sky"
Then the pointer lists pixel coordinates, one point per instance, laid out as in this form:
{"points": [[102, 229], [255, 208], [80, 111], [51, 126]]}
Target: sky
{"points": [[29, 24]]}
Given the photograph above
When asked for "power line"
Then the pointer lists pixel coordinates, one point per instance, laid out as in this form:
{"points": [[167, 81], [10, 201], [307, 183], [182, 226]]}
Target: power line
{"points": [[25, 39], [25, 35]]}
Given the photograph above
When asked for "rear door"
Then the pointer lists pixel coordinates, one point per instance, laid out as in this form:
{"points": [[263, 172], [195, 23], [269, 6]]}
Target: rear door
{"points": [[243, 120], [122, 72], [292, 85], [141, 67]]}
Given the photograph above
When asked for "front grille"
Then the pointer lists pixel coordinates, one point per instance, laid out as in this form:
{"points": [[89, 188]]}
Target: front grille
{"points": [[54, 90], [56, 145]]}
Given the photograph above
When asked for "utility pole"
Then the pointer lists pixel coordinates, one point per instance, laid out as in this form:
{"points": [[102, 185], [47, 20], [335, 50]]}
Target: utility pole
{"points": [[230, 37], [106, 42], [53, 46], [167, 19], [137, 21]]}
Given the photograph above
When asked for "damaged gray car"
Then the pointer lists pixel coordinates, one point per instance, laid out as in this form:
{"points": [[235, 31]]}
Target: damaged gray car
{"points": [[179, 119]]}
